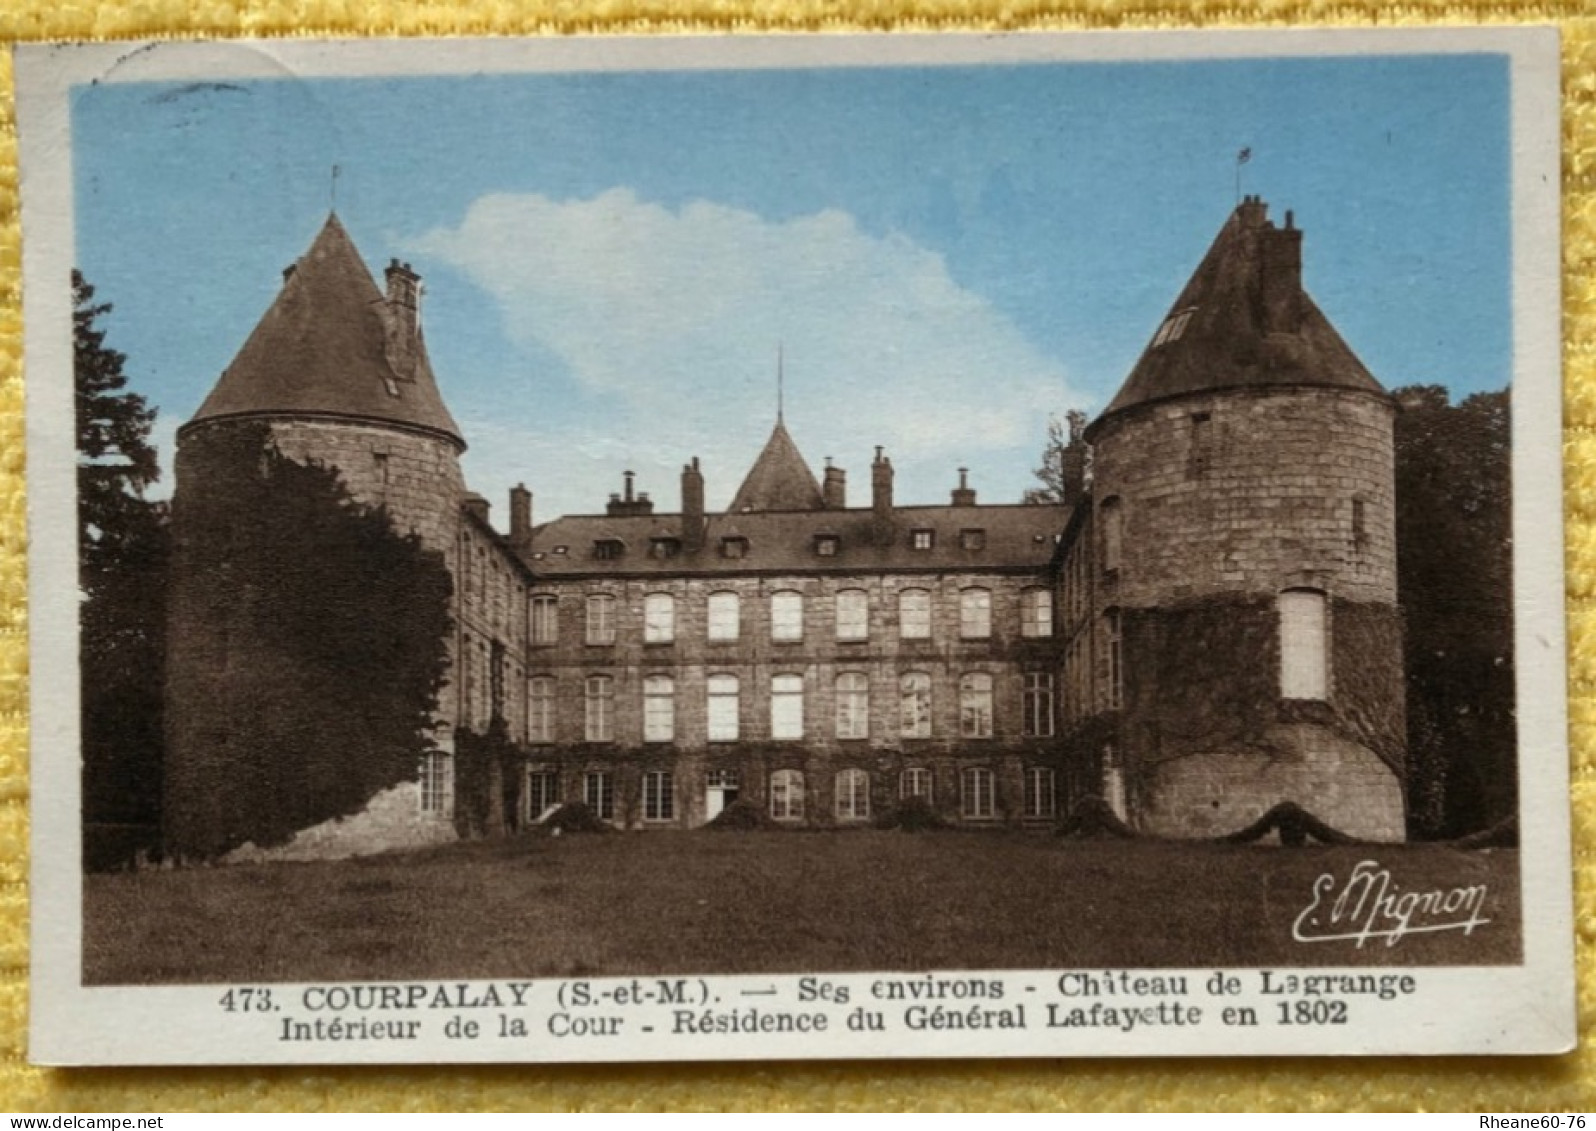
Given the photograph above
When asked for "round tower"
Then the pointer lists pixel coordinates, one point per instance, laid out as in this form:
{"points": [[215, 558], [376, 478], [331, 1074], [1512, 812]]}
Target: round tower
{"points": [[335, 375], [1244, 510]]}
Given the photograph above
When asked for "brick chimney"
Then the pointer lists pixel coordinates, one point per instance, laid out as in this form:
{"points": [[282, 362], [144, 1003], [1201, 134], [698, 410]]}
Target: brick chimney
{"points": [[964, 494], [630, 501], [692, 507], [520, 518], [1280, 277], [835, 489], [881, 498], [404, 316]]}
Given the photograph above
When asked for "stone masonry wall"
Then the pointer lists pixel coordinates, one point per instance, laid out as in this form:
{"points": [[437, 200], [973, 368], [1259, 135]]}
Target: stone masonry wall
{"points": [[1269, 498]]}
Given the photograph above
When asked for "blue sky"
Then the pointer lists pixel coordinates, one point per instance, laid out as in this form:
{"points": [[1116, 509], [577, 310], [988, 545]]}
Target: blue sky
{"points": [[944, 254]]}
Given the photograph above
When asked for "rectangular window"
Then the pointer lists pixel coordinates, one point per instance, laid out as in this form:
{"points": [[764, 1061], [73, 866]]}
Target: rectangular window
{"points": [[659, 709], [598, 792], [786, 615], [608, 549], [1114, 661], [1112, 516], [723, 708], [922, 539], [977, 796], [972, 539], [1304, 661], [914, 705], [496, 681], [1040, 794], [542, 792], [975, 614], [600, 708], [853, 614], [437, 784], [540, 709], [1036, 613], [787, 795], [786, 706], [975, 705], [601, 619], [853, 705], [659, 796], [545, 622], [852, 796], [826, 545], [1037, 705], [725, 616], [659, 618], [914, 614]]}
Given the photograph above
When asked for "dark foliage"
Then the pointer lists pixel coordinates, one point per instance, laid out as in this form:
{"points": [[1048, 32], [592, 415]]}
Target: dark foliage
{"points": [[122, 561], [742, 815], [1293, 824], [1062, 472], [1454, 533], [308, 646], [484, 780], [1094, 819], [575, 817], [912, 815]]}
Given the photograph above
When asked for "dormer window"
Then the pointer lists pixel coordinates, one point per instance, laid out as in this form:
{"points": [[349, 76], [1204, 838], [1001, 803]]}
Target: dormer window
{"points": [[735, 546], [826, 545], [972, 539], [664, 547], [922, 539], [608, 549], [1174, 326]]}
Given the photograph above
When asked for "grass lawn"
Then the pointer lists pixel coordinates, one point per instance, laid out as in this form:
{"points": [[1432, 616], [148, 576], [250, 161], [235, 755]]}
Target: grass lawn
{"points": [[773, 902]]}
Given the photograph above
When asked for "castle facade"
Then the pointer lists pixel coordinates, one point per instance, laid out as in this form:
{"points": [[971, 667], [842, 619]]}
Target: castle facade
{"points": [[1207, 628]]}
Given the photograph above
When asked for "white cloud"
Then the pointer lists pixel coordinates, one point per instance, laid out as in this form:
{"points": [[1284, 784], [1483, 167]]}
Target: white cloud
{"points": [[676, 315]]}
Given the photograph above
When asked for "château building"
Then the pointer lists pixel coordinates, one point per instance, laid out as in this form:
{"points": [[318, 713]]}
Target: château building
{"points": [[1207, 627]]}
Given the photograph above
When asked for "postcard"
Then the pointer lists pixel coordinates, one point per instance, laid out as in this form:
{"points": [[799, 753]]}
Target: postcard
{"points": [[823, 547]]}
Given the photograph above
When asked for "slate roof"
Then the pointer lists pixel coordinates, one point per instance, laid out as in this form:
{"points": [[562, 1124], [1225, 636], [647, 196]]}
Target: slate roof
{"points": [[322, 349], [1251, 323], [780, 479], [1017, 538]]}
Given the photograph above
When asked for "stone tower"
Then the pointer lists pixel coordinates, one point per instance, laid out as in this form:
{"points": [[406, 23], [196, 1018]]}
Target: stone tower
{"points": [[1244, 522], [337, 372]]}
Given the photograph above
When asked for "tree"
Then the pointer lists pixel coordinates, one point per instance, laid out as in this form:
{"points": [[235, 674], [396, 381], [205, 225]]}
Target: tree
{"points": [[308, 645], [1063, 469], [1455, 585], [122, 552]]}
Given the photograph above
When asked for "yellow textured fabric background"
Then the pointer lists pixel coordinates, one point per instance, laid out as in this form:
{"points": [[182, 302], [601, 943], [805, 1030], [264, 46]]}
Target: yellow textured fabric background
{"points": [[1470, 1084]]}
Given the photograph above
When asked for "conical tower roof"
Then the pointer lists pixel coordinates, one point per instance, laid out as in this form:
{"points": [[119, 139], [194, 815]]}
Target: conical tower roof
{"points": [[1243, 320], [780, 480], [332, 345]]}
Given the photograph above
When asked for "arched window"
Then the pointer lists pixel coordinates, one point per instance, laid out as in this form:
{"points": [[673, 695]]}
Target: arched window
{"points": [[540, 709], [1041, 797], [853, 614], [659, 708], [1304, 657], [724, 616], [977, 795], [853, 795], [786, 615], [853, 705], [601, 619], [659, 618], [786, 706], [599, 700], [722, 708], [975, 705], [975, 613], [914, 705], [914, 614], [915, 782], [787, 795], [1111, 517], [659, 796], [1036, 612]]}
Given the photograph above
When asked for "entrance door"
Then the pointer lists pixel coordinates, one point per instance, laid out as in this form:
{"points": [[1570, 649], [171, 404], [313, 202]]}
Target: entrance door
{"points": [[720, 791]]}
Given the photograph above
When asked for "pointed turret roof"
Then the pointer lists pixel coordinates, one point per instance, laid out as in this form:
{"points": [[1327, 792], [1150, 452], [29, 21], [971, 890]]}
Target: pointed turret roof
{"points": [[1243, 320], [780, 480], [332, 345]]}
